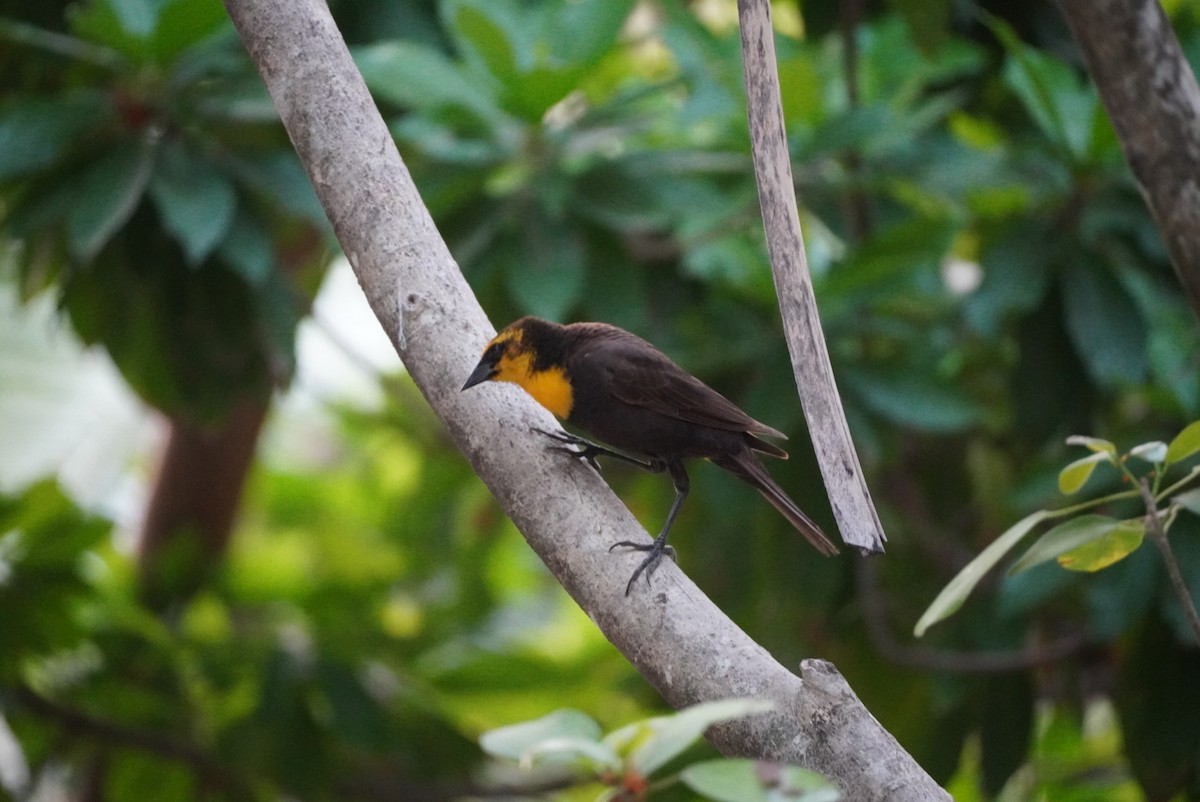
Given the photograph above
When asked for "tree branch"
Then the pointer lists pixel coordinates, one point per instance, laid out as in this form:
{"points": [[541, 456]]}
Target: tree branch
{"points": [[1159, 535], [875, 607], [111, 735], [196, 495], [1152, 98], [848, 493], [676, 637]]}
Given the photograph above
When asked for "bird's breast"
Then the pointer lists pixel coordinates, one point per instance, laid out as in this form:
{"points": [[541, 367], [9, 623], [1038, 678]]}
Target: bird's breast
{"points": [[551, 389]]}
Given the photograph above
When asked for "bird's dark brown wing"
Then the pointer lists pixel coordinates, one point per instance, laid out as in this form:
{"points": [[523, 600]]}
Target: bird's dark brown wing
{"points": [[641, 375]]}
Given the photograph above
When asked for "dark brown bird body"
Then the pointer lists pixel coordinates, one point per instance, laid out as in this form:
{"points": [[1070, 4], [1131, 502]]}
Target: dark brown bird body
{"points": [[627, 394]]}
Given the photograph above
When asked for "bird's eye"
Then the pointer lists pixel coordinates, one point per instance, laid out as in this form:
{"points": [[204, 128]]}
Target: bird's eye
{"points": [[493, 352]]}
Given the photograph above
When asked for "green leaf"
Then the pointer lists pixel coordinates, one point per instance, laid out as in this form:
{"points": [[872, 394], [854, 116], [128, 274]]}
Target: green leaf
{"points": [[109, 192], [1059, 101], [484, 39], [415, 76], [1189, 500], [551, 281], [657, 741], [743, 780], [247, 248], [728, 780], [281, 178], [582, 754], [184, 24], [801, 90], [1184, 444], [955, 593], [1018, 596], [1119, 598], [911, 398], [515, 740], [583, 31], [43, 540], [531, 95], [195, 201], [1065, 537], [1094, 444], [928, 21], [101, 23], [138, 17], [1072, 478], [148, 32], [51, 530], [894, 257], [1105, 550], [1016, 274], [36, 132], [1153, 452], [1104, 325]]}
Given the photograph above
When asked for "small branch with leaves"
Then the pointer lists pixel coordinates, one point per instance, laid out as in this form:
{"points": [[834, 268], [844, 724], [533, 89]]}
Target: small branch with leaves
{"points": [[644, 758], [1088, 541]]}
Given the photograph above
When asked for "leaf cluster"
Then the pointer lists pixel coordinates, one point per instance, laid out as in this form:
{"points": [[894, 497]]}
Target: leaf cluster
{"points": [[150, 187], [1086, 542], [568, 744]]}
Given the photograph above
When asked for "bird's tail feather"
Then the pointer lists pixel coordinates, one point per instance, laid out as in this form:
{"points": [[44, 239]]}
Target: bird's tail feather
{"points": [[747, 467]]}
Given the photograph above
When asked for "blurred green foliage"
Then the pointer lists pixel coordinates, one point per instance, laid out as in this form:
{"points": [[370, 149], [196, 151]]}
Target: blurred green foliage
{"points": [[150, 187], [648, 759], [989, 283]]}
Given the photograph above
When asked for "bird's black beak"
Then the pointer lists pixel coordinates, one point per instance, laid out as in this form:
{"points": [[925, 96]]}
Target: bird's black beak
{"points": [[485, 370]]}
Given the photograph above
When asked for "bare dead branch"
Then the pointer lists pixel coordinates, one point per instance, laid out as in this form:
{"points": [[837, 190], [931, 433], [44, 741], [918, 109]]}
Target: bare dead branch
{"points": [[848, 493]]}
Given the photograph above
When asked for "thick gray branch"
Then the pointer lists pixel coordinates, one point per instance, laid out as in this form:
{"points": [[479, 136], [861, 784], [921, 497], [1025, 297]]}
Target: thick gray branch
{"points": [[1152, 98], [671, 632], [844, 482]]}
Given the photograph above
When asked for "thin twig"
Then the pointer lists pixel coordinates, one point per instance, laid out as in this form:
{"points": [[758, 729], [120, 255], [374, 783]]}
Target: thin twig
{"points": [[109, 734], [60, 44], [1159, 535], [982, 662], [855, 203]]}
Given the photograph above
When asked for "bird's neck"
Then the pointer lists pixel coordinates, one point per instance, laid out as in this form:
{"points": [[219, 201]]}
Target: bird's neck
{"points": [[548, 385]]}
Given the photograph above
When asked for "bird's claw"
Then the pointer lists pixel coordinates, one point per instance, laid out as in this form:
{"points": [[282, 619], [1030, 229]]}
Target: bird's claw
{"points": [[572, 446], [560, 436], [590, 459], [655, 552]]}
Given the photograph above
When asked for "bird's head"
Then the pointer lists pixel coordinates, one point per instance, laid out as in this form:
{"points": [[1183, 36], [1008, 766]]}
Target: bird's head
{"points": [[507, 358], [528, 352]]}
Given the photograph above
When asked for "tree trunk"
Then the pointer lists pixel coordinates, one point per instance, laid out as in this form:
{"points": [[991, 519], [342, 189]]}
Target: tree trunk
{"points": [[195, 500], [1152, 98]]}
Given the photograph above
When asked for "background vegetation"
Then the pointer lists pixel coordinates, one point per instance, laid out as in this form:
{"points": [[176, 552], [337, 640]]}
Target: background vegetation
{"points": [[990, 283]]}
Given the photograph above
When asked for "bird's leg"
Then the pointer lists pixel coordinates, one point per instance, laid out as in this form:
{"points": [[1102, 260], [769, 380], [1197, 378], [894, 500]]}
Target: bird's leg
{"points": [[588, 451], [656, 550]]}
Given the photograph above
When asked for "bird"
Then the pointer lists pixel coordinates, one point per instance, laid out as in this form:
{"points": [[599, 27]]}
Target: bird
{"points": [[643, 409]]}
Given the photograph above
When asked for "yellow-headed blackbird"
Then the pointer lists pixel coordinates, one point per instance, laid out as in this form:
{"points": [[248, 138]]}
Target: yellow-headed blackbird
{"points": [[623, 391]]}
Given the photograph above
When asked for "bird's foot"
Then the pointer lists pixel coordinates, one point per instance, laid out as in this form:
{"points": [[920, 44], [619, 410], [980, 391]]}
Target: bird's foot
{"points": [[573, 446], [654, 554]]}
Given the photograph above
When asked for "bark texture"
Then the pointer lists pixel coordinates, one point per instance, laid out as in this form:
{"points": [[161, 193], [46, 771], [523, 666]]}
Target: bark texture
{"points": [[1150, 93], [197, 493], [671, 632], [844, 482]]}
